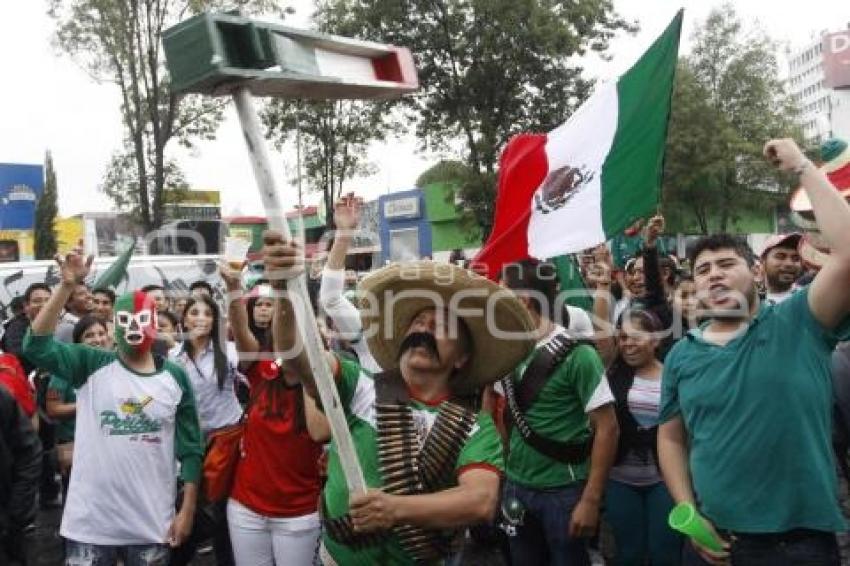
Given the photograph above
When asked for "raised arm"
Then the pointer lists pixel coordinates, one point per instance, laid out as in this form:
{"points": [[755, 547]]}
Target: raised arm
{"points": [[655, 294], [284, 260], [73, 269], [829, 294], [237, 312], [599, 277], [345, 316], [72, 361]]}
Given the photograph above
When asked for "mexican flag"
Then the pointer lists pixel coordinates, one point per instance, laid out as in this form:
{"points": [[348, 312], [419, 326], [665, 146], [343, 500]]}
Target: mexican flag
{"points": [[593, 176], [117, 271]]}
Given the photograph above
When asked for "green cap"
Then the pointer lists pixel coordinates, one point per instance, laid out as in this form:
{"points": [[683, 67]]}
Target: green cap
{"points": [[832, 148]]}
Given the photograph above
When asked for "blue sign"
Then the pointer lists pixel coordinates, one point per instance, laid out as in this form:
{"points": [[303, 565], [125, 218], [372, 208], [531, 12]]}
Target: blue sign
{"points": [[403, 226], [20, 188]]}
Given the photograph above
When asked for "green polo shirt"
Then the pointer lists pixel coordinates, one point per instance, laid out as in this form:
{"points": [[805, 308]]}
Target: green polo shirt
{"points": [[576, 387], [758, 418], [482, 449]]}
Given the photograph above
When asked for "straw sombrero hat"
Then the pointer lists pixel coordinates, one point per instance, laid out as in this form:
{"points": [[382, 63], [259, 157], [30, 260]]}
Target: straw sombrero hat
{"points": [[393, 296], [814, 251], [835, 154]]}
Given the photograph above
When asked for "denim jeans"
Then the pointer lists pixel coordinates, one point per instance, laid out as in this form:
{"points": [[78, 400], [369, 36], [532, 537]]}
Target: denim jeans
{"points": [[543, 537], [638, 519], [84, 554], [800, 547]]}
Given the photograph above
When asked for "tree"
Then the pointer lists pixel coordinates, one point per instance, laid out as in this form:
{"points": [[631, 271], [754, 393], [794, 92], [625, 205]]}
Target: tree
{"points": [[489, 69], [728, 100], [121, 183], [119, 41], [45, 213], [448, 171], [335, 134]]}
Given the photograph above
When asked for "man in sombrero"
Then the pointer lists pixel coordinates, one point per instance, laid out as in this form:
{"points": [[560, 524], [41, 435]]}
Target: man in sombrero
{"points": [[432, 460]]}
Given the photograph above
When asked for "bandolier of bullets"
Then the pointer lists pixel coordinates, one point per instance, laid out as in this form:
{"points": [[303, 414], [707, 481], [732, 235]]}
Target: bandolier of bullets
{"points": [[441, 449], [342, 530], [405, 468]]}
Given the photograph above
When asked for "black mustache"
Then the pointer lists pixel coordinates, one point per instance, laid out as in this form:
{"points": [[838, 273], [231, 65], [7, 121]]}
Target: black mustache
{"points": [[419, 340]]}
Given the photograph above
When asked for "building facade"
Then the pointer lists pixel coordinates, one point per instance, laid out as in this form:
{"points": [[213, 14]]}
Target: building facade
{"points": [[447, 232], [825, 109]]}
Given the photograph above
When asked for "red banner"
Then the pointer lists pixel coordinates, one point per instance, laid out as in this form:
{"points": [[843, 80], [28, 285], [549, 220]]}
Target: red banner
{"points": [[836, 59]]}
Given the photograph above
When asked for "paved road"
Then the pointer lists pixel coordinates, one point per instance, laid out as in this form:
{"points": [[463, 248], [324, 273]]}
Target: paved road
{"points": [[45, 545]]}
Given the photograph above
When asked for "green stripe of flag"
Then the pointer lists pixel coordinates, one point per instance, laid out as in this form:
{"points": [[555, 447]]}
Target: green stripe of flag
{"points": [[631, 175], [569, 276]]}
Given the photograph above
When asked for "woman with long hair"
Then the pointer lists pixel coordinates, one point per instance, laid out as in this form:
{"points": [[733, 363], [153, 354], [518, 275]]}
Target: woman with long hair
{"points": [[211, 363], [637, 502], [62, 397], [272, 511], [212, 366]]}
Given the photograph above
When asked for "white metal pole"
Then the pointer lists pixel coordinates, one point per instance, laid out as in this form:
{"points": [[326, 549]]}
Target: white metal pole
{"points": [[305, 318]]}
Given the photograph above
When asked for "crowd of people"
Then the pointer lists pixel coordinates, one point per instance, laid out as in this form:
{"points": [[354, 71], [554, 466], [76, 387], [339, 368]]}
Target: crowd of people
{"points": [[486, 416]]}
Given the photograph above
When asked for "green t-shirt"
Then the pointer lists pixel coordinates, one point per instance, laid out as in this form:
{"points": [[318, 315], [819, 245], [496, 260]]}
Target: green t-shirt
{"points": [[758, 413], [357, 394], [559, 413], [67, 394]]}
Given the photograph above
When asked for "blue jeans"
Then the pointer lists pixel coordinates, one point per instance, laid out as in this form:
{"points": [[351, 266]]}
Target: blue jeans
{"points": [[800, 547], [84, 554], [638, 518], [543, 537]]}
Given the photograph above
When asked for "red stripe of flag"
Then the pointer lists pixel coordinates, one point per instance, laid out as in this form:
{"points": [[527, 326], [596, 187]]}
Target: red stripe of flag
{"points": [[522, 168]]}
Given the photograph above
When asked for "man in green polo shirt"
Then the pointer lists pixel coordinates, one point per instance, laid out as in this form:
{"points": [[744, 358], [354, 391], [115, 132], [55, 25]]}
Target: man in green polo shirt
{"points": [[747, 398], [559, 494]]}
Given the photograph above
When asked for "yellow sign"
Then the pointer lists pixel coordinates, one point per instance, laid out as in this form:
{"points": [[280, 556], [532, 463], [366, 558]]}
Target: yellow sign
{"points": [[68, 233], [25, 240], [199, 197]]}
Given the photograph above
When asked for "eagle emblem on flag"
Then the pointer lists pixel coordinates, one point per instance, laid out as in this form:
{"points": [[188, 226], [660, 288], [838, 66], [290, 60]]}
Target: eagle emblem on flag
{"points": [[560, 186]]}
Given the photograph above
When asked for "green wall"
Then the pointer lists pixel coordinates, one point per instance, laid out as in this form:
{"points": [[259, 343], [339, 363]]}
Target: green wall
{"points": [[446, 231], [751, 221]]}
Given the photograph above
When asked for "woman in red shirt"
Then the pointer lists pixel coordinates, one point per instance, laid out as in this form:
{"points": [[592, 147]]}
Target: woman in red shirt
{"points": [[272, 512]]}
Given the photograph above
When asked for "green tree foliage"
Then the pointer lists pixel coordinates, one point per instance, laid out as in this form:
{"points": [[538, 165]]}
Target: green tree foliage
{"points": [[728, 101], [335, 135], [45, 213], [122, 185], [488, 69], [447, 171], [119, 41]]}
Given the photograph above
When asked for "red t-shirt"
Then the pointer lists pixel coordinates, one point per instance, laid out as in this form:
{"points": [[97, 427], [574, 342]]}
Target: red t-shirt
{"points": [[277, 474], [12, 376]]}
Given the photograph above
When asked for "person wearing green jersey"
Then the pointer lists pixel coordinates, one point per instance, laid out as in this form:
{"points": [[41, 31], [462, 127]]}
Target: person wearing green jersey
{"points": [[564, 435], [135, 422], [431, 460]]}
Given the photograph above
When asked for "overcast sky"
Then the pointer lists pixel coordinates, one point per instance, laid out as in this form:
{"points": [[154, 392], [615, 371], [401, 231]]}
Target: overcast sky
{"points": [[46, 101]]}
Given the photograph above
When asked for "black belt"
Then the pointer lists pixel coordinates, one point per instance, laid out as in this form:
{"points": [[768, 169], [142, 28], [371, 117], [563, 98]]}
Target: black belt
{"points": [[792, 536]]}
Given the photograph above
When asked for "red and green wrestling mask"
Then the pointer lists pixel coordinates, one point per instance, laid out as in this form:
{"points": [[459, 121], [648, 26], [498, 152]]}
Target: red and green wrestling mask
{"points": [[135, 322]]}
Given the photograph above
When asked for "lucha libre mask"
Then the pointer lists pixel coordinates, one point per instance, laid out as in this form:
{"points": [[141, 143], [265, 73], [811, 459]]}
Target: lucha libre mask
{"points": [[135, 322]]}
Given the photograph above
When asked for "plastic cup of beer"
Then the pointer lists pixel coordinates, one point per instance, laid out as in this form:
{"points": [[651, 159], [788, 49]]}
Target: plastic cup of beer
{"points": [[235, 252]]}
